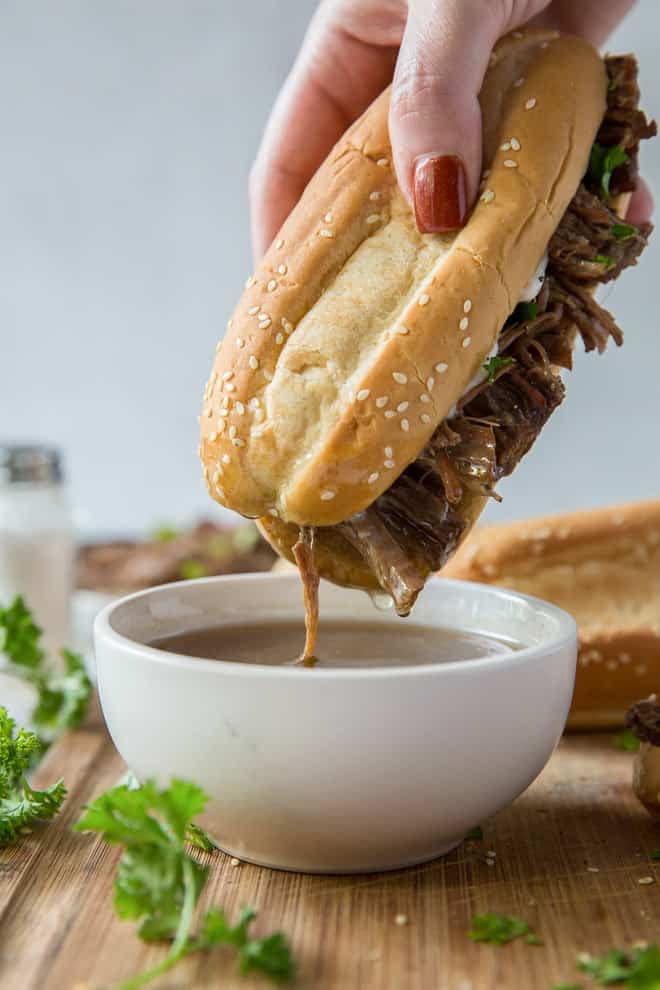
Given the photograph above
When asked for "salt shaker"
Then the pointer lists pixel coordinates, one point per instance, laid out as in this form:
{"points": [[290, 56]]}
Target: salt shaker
{"points": [[37, 539]]}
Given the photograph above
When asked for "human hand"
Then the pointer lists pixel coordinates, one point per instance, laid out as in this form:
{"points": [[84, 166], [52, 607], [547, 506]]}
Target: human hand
{"points": [[438, 51]]}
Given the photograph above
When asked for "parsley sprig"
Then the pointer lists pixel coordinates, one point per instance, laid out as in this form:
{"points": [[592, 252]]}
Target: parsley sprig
{"points": [[638, 969], [158, 883], [493, 365], [499, 929], [21, 804], [627, 741], [602, 163], [62, 698]]}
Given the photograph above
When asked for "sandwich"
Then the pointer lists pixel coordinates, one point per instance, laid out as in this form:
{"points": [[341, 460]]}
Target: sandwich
{"points": [[374, 383], [601, 565]]}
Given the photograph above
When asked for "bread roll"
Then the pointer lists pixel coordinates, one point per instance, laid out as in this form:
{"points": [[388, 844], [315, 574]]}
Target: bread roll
{"points": [[602, 566], [357, 333]]}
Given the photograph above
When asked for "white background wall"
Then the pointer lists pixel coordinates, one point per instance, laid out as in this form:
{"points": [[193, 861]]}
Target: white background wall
{"points": [[127, 131]]}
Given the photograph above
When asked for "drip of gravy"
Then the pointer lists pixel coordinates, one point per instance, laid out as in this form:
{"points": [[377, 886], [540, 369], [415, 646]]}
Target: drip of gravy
{"points": [[303, 553], [341, 643]]}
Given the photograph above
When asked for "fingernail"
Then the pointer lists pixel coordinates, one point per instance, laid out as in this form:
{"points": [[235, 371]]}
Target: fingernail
{"points": [[440, 193]]}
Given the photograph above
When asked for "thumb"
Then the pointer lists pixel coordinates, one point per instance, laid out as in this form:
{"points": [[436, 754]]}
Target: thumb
{"points": [[435, 119]]}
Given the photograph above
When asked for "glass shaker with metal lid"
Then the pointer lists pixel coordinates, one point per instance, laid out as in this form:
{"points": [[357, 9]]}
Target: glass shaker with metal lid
{"points": [[36, 538]]}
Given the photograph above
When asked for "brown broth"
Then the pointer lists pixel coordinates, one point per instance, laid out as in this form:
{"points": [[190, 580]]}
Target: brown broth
{"points": [[341, 643]]}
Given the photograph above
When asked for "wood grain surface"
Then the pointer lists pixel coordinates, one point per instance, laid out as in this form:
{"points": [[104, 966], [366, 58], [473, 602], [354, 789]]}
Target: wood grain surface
{"points": [[569, 856]]}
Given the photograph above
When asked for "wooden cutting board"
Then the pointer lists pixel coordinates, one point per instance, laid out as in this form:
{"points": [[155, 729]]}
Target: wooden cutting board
{"points": [[570, 854]]}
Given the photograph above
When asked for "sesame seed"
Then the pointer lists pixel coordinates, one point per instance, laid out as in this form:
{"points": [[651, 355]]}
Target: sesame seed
{"points": [[328, 218], [645, 880], [272, 285], [388, 463], [279, 243], [374, 196], [425, 418], [518, 34], [424, 397], [430, 382], [253, 310], [363, 394], [209, 412], [230, 387], [327, 495], [399, 377], [373, 477], [250, 282], [259, 415], [401, 919], [252, 361], [388, 451], [466, 341], [402, 407], [239, 407], [225, 401], [467, 305], [518, 83], [530, 104], [324, 232], [286, 326], [510, 163], [213, 437], [279, 338], [423, 300], [230, 323], [593, 869], [232, 432], [240, 343], [381, 401], [267, 375], [237, 442], [441, 368], [273, 512], [463, 323], [383, 162], [402, 330], [234, 861], [216, 475], [405, 425], [374, 218], [221, 425], [282, 269], [506, 146], [624, 658], [221, 412], [227, 375], [390, 414], [487, 196], [226, 459], [515, 144]]}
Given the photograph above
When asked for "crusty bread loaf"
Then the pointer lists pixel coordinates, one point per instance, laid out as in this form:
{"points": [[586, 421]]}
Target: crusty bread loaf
{"points": [[357, 333], [602, 566]]}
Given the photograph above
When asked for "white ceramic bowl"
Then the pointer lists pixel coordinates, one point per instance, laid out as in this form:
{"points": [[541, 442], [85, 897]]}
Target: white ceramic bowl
{"points": [[344, 770]]}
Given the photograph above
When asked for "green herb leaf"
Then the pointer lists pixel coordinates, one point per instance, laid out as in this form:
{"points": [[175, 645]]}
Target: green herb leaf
{"points": [[604, 259], [197, 837], [525, 311], [532, 939], [158, 883], [655, 854], [626, 741], [602, 163], [21, 804], [475, 834], [646, 970], [614, 967], [493, 365], [611, 86], [164, 533], [62, 699], [623, 231], [497, 929], [192, 569], [567, 986]]}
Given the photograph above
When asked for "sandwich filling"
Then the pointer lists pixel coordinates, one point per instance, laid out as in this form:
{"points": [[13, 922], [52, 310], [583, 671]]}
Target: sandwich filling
{"points": [[413, 528]]}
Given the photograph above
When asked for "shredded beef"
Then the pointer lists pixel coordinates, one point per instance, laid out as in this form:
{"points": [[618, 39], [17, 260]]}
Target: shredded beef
{"points": [[644, 719], [413, 528]]}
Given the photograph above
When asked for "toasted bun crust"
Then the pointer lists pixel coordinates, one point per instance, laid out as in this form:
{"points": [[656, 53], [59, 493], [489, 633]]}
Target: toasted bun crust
{"points": [[353, 315], [602, 566]]}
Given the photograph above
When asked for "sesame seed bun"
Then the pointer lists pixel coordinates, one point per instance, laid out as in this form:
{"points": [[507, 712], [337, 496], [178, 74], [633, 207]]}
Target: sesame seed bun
{"points": [[357, 334], [602, 566]]}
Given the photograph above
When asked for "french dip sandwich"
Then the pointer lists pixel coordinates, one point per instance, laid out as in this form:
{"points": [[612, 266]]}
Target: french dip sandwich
{"points": [[375, 383]]}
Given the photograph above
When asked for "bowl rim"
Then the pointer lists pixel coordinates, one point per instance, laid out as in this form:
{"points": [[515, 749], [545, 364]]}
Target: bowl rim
{"points": [[567, 635]]}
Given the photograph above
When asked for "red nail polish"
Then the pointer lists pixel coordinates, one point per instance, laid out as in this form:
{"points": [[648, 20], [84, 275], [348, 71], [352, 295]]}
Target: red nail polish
{"points": [[440, 193]]}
